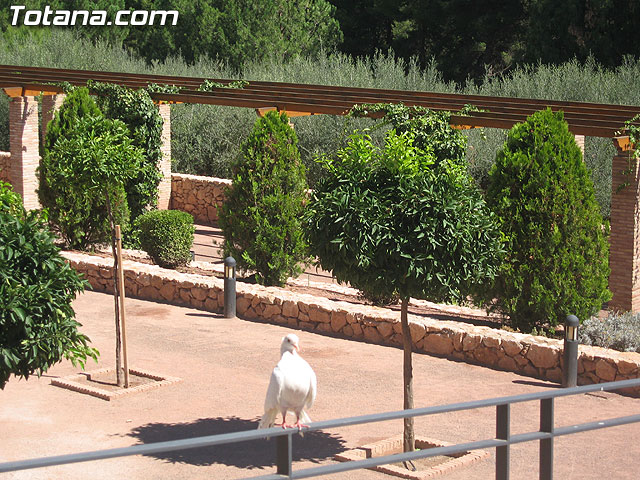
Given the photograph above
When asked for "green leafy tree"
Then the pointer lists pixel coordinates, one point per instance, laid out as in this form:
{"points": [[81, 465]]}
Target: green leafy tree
{"points": [[114, 34], [99, 158], [37, 322], [239, 31], [261, 217], [393, 220], [557, 250], [76, 213]]}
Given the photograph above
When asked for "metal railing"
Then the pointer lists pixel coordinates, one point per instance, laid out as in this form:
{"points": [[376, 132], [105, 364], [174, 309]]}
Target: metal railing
{"points": [[502, 441]]}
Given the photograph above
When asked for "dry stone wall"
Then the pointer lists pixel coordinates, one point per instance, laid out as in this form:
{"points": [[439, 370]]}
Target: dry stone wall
{"points": [[199, 196], [526, 354]]}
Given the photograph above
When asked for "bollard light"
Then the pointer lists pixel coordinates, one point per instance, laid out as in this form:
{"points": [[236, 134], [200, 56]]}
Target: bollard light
{"points": [[229, 267], [570, 353], [229, 287], [571, 328]]}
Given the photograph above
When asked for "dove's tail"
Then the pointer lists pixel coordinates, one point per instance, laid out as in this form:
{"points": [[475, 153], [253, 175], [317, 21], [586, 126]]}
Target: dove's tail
{"points": [[304, 417], [268, 419]]}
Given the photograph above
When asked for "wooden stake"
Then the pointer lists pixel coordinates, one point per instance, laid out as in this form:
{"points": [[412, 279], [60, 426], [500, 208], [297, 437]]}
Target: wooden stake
{"points": [[122, 317]]}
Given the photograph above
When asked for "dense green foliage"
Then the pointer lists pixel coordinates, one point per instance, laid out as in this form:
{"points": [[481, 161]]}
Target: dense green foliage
{"points": [[557, 251], [77, 104], [393, 220], [261, 216], [467, 38], [37, 323], [167, 236], [136, 109], [471, 38], [83, 175], [237, 31], [10, 202], [431, 129], [206, 139]]}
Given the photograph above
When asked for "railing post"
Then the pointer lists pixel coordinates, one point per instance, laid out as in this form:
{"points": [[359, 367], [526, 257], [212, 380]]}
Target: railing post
{"points": [[229, 287], [570, 353], [546, 444], [503, 432], [284, 454]]}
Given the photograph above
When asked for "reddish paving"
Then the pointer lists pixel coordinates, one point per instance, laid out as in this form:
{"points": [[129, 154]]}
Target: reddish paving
{"points": [[225, 366]]}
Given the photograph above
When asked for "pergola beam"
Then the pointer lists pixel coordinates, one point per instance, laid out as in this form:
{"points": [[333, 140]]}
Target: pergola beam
{"points": [[602, 120]]}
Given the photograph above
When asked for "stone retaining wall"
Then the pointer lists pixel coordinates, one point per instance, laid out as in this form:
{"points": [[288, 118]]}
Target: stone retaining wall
{"points": [[199, 196], [5, 160], [525, 354]]}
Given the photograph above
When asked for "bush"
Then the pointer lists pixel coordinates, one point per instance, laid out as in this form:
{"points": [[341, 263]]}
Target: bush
{"points": [[37, 323], [261, 217], [557, 250], [167, 236], [617, 331], [82, 176], [77, 105]]}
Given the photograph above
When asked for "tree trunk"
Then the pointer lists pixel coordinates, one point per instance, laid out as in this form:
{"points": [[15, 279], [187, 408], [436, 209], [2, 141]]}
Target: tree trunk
{"points": [[116, 295], [409, 440]]}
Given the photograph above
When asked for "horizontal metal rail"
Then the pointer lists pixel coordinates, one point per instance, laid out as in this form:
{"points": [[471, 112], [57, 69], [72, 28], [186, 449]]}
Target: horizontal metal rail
{"points": [[284, 463]]}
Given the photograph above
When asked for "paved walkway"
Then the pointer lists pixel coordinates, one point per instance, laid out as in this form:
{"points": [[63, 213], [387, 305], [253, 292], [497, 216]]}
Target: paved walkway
{"points": [[225, 367]]}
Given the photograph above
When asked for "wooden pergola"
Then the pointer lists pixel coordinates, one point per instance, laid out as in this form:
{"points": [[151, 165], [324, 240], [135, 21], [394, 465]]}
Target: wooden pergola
{"points": [[590, 119], [23, 83]]}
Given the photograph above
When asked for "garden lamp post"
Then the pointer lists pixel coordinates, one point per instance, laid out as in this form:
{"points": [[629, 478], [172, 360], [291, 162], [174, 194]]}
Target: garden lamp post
{"points": [[570, 354], [229, 287]]}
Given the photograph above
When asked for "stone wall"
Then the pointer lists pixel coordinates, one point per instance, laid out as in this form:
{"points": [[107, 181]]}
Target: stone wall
{"points": [[5, 165], [525, 354], [199, 196]]}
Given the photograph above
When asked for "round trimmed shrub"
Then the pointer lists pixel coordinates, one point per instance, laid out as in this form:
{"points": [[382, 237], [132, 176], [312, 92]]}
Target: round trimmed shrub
{"points": [[167, 236], [37, 322], [261, 218], [557, 260]]}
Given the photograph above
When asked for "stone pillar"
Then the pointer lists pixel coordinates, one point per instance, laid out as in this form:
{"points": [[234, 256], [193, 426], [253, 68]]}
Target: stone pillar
{"points": [[24, 143], [624, 256], [164, 189], [580, 143], [50, 103]]}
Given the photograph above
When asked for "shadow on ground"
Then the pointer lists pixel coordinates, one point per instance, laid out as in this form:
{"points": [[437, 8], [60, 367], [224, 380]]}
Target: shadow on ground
{"points": [[314, 446]]}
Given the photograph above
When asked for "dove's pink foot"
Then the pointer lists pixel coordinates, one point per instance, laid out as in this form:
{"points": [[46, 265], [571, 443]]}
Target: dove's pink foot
{"points": [[299, 425]]}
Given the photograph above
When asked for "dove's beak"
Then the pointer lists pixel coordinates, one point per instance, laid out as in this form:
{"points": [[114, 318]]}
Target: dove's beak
{"points": [[297, 347]]}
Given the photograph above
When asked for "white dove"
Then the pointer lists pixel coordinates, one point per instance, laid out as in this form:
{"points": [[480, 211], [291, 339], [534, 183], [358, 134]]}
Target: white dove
{"points": [[292, 387]]}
